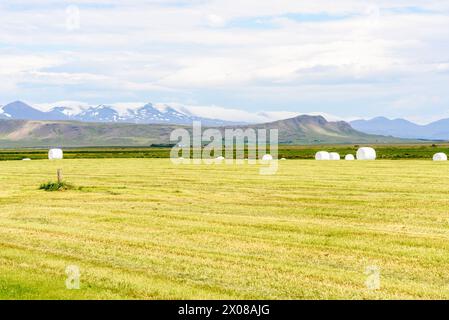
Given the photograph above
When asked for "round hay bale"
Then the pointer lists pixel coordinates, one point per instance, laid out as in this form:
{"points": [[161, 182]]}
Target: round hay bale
{"points": [[440, 157], [26, 159], [334, 156], [366, 154], [283, 159], [267, 157], [219, 159], [55, 154], [322, 155], [349, 157]]}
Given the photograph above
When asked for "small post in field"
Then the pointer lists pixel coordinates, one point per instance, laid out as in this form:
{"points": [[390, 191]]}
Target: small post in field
{"points": [[59, 173]]}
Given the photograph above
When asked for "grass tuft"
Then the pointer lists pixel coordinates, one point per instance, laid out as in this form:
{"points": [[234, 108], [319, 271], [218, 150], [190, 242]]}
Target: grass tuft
{"points": [[56, 186]]}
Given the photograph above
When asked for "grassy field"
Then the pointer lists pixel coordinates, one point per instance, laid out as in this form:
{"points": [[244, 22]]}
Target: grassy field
{"points": [[144, 228], [388, 152]]}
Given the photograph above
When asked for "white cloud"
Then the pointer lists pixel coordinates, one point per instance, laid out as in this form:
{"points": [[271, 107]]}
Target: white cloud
{"points": [[269, 54], [73, 107], [123, 107], [240, 115], [12, 64], [215, 20]]}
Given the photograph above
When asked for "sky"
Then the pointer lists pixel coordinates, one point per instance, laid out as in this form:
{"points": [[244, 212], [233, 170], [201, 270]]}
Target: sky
{"points": [[347, 58]]}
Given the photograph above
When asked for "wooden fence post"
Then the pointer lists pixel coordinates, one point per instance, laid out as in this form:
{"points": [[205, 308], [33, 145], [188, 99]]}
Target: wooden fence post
{"points": [[59, 176]]}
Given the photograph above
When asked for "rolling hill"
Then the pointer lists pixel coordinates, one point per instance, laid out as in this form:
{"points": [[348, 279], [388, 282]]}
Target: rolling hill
{"points": [[298, 130], [438, 130], [317, 130]]}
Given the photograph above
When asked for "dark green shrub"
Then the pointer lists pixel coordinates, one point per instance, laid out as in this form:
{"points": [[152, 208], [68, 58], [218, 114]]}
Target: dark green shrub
{"points": [[56, 186]]}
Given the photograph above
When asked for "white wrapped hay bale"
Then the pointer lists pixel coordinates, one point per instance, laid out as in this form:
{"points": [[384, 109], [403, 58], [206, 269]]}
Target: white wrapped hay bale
{"points": [[283, 159], [349, 157], [26, 159], [55, 154], [440, 157], [219, 159], [322, 155], [267, 157], [366, 154], [334, 156]]}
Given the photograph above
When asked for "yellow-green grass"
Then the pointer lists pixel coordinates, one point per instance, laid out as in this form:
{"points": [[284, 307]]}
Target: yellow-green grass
{"points": [[147, 229]]}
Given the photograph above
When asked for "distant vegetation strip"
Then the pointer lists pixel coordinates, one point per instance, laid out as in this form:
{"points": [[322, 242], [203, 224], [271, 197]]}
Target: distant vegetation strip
{"points": [[392, 152]]}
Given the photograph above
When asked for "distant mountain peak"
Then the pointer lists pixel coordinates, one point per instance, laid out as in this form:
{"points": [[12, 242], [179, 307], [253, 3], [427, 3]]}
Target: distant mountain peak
{"points": [[17, 105], [381, 118], [21, 110], [403, 128], [146, 114], [319, 120]]}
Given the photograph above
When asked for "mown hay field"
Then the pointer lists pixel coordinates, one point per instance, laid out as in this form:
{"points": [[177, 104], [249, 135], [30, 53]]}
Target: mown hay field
{"points": [[423, 151], [147, 229]]}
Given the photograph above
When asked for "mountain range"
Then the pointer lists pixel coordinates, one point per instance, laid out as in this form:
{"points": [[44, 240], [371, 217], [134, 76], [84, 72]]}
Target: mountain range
{"points": [[299, 130], [169, 115], [401, 128], [147, 114]]}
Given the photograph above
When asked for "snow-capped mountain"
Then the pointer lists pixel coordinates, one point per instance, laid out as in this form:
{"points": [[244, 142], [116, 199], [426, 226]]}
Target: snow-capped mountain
{"points": [[57, 113], [146, 114], [22, 111], [100, 113], [3, 115], [65, 108]]}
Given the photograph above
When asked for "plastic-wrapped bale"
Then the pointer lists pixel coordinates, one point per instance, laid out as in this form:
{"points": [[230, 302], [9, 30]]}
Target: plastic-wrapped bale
{"points": [[219, 159], [440, 157], [267, 157], [334, 156], [283, 159], [349, 157], [366, 154], [26, 159], [322, 155], [55, 154]]}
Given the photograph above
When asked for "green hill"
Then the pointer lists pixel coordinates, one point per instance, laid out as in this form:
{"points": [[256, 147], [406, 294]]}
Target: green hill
{"points": [[299, 130]]}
